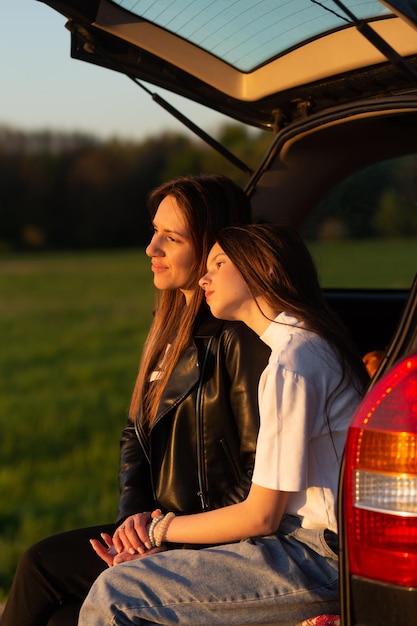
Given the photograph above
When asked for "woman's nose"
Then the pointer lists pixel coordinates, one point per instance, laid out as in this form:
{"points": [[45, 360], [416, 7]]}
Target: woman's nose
{"points": [[153, 249], [203, 281]]}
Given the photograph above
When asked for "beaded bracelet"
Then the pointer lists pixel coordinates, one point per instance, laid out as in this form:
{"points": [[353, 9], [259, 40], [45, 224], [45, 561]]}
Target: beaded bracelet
{"points": [[162, 527], [151, 529]]}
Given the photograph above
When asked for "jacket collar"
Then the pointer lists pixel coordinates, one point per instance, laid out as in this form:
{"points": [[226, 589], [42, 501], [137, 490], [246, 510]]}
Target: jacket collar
{"points": [[188, 371]]}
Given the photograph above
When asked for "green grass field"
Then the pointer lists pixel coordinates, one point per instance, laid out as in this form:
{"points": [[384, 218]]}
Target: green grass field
{"points": [[366, 264], [72, 327]]}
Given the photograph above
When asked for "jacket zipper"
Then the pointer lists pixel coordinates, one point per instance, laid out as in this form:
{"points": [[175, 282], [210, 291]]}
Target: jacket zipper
{"points": [[202, 479], [229, 460]]}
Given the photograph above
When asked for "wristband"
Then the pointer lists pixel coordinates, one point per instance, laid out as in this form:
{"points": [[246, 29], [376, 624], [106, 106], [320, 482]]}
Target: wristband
{"points": [[151, 529], [162, 527]]}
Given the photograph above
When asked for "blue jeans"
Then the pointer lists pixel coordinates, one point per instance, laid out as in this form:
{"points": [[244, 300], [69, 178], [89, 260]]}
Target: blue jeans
{"points": [[280, 579]]}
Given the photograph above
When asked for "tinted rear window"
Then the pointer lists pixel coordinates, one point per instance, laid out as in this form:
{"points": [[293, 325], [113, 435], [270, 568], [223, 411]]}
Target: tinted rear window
{"points": [[364, 233]]}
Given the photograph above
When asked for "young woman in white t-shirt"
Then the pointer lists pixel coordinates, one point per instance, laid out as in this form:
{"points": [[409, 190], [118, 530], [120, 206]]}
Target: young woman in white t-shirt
{"points": [[276, 559]]}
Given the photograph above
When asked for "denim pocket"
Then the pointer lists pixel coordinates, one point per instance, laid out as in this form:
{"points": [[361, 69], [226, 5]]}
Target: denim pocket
{"points": [[321, 540]]}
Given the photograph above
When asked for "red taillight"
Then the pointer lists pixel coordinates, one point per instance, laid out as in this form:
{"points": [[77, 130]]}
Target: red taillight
{"points": [[380, 480]]}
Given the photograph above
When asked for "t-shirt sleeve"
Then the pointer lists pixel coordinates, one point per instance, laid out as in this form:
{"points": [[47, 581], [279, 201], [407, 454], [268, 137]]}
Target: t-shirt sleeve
{"points": [[287, 406]]}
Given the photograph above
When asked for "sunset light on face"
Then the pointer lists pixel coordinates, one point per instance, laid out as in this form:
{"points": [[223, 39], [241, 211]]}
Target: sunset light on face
{"points": [[171, 248], [226, 292]]}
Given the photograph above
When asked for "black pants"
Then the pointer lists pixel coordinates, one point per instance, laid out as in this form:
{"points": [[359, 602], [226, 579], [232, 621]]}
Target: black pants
{"points": [[52, 579]]}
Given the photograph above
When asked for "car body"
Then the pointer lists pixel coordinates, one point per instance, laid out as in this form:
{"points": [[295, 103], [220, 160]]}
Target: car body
{"points": [[335, 84]]}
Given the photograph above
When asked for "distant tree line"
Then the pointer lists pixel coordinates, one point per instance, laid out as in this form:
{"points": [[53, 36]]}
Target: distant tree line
{"points": [[71, 191], [62, 191]]}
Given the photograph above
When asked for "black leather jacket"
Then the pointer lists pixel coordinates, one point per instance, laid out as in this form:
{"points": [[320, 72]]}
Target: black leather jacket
{"points": [[199, 454]]}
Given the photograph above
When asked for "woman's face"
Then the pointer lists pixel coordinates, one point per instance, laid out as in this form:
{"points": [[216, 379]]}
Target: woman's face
{"points": [[226, 292], [171, 248]]}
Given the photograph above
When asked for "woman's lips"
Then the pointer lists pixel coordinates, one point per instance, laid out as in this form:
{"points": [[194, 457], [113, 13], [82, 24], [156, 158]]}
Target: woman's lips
{"points": [[158, 268]]}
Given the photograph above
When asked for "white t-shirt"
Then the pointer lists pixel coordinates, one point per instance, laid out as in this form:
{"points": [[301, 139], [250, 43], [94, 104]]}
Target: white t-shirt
{"points": [[295, 451]]}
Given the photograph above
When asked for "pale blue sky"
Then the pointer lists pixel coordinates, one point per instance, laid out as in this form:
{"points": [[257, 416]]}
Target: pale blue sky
{"points": [[43, 88]]}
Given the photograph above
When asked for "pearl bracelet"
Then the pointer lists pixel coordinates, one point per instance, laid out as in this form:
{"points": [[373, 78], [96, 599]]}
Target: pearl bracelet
{"points": [[162, 527], [151, 529]]}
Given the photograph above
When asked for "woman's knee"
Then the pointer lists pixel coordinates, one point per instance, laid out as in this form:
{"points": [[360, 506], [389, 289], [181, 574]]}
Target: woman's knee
{"points": [[40, 559], [31, 559]]}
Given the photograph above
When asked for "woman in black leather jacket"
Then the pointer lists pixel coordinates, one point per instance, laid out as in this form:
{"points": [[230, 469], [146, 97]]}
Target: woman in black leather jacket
{"points": [[209, 416], [190, 440]]}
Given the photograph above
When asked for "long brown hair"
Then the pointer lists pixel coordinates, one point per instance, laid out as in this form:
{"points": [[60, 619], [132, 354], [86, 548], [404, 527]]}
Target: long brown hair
{"points": [[276, 264], [208, 203]]}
